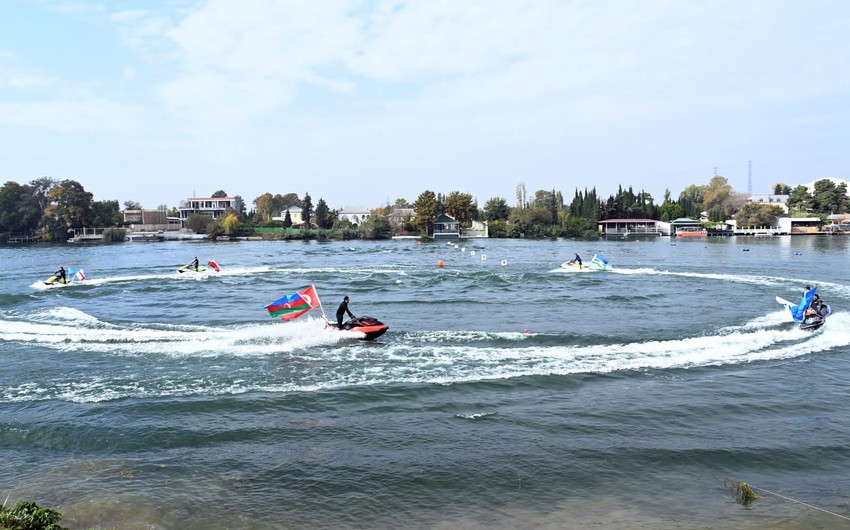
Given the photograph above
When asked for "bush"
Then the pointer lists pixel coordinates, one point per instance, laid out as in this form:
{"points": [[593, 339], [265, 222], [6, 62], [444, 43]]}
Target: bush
{"points": [[27, 515], [113, 235]]}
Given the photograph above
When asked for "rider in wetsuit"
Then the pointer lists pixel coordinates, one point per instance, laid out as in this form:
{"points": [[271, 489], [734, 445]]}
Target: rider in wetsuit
{"points": [[341, 311]]}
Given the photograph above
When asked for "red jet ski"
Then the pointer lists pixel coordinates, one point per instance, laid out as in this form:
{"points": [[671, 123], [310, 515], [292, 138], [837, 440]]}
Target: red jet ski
{"points": [[370, 326]]}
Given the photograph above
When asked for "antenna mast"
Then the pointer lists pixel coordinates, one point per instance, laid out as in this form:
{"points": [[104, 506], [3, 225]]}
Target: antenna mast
{"points": [[750, 178]]}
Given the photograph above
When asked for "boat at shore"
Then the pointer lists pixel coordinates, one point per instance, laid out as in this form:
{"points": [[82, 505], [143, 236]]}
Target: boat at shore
{"points": [[691, 231]]}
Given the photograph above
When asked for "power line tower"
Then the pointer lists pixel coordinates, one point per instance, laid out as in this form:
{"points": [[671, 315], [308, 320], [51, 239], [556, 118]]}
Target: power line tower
{"points": [[750, 178]]}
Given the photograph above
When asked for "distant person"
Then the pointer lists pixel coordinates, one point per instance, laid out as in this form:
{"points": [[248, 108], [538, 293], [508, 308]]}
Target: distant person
{"points": [[60, 275], [341, 311], [577, 259], [194, 264]]}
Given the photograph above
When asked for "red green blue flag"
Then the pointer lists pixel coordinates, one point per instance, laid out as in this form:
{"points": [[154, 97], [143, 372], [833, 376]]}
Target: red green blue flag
{"points": [[294, 305]]}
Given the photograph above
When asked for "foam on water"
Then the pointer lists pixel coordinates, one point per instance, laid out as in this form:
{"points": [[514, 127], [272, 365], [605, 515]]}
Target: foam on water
{"points": [[333, 360]]}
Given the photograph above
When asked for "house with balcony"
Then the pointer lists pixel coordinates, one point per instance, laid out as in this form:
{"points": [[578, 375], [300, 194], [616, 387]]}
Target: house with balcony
{"points": [[214, 207]]}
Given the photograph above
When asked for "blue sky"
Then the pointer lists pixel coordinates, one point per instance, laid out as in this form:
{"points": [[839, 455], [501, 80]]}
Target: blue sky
{"points": [[364, 102]]}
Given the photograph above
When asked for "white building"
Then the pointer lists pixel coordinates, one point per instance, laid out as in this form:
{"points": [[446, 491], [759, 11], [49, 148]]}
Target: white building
{"points": [[214, 207], [769, 198], [354, 214], [294, 216]]}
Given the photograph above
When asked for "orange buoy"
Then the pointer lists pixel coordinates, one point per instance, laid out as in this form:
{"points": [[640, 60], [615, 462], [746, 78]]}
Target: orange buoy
{"points": [[439, 263]]}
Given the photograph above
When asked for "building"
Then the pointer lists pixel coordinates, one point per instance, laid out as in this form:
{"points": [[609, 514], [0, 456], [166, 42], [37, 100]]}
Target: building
{"points": [[354, 214], [768, 198], [214, 207], [687, 227], [446, 227], [295, 215], [398, 217], [630, 228], [477, 229], [149, 220]]}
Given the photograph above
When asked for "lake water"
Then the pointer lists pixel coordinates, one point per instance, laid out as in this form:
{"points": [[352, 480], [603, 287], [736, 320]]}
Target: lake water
{"points": [[508, 393]]}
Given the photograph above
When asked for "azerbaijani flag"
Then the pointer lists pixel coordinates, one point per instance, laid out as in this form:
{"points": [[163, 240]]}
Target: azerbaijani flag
{"points": [[294, 305]]}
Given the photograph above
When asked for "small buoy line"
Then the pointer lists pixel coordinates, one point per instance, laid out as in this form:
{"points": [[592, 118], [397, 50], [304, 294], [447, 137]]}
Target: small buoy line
{"points": [[785, 497]]}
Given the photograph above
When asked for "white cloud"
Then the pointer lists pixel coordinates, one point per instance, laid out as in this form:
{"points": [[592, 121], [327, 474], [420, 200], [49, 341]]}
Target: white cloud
{"points": [[468, 94]]}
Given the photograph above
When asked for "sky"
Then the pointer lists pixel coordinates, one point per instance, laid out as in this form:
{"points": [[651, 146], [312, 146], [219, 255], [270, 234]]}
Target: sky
{"points": [[361, 103]]}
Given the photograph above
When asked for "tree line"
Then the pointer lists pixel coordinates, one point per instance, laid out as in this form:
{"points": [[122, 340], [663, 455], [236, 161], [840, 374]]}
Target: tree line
{"points": [[52, 208]]}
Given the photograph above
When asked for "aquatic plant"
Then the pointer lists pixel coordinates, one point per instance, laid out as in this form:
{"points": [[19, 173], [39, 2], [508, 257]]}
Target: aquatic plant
{"points": [[26, 515], [744, 494]]}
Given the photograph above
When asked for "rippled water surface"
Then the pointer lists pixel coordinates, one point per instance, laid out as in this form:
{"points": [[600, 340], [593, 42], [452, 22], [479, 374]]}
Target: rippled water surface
{"points": [[508, 392]]}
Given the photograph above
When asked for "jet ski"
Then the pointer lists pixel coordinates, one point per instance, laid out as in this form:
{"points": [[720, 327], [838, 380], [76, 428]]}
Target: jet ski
{"points": [[811, 313], [371, 327], [72, 276], [598, 263], [815, 316], [292, 306]]}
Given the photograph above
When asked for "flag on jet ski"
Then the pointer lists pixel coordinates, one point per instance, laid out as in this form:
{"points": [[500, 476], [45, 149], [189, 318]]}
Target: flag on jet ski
{"points": [[294, 305], [799, 311], [598, 262]]}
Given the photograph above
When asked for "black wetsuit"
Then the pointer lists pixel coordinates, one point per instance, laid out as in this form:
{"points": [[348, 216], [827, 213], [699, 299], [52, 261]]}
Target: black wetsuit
{"points": [[60, 275], [578, 260], [194, 264], [341, 311]]}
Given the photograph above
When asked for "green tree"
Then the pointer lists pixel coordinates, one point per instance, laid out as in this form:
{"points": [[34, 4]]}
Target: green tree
{"points": [[717, 194], [219, 194], [264, 207], [462, 207], [287, 201], [754, 214], [781, 189], [287, 219], [799, 199], [132, 205], [71, 203], [19, 208], [375, 227], [199, 223], [106, 214], [496, 209], [323, 215], [691, 200], [585, 205], [307, 210], [231, 224], [426, 208], [828, 198], [240, 208], [40, 190]]}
